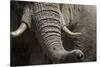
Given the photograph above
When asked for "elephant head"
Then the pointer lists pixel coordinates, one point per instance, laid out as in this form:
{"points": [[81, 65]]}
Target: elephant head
{"points": [[46, 20]]}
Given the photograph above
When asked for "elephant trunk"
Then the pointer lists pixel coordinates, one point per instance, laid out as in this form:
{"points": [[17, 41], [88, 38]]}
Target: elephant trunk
{"points": [[48, 30]]}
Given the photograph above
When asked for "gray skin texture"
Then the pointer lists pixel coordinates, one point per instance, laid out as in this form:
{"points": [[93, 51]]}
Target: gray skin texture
{"points": [[47, 25], [27, 49]]}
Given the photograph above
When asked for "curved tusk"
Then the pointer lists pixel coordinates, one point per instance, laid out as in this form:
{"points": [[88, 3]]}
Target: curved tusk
{"points": [[19, 31], [69, 33]]}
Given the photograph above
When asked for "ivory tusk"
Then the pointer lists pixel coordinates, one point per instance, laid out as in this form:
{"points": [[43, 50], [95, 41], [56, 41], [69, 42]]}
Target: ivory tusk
{"points": [[19, 31], [69, 33]]}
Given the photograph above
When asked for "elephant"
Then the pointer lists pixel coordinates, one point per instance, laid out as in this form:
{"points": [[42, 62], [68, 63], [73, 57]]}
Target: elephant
{"points": [[47, 21]]}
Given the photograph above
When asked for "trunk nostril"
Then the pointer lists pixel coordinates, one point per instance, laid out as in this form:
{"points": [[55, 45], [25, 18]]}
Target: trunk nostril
{"points": [[81, 56]]}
